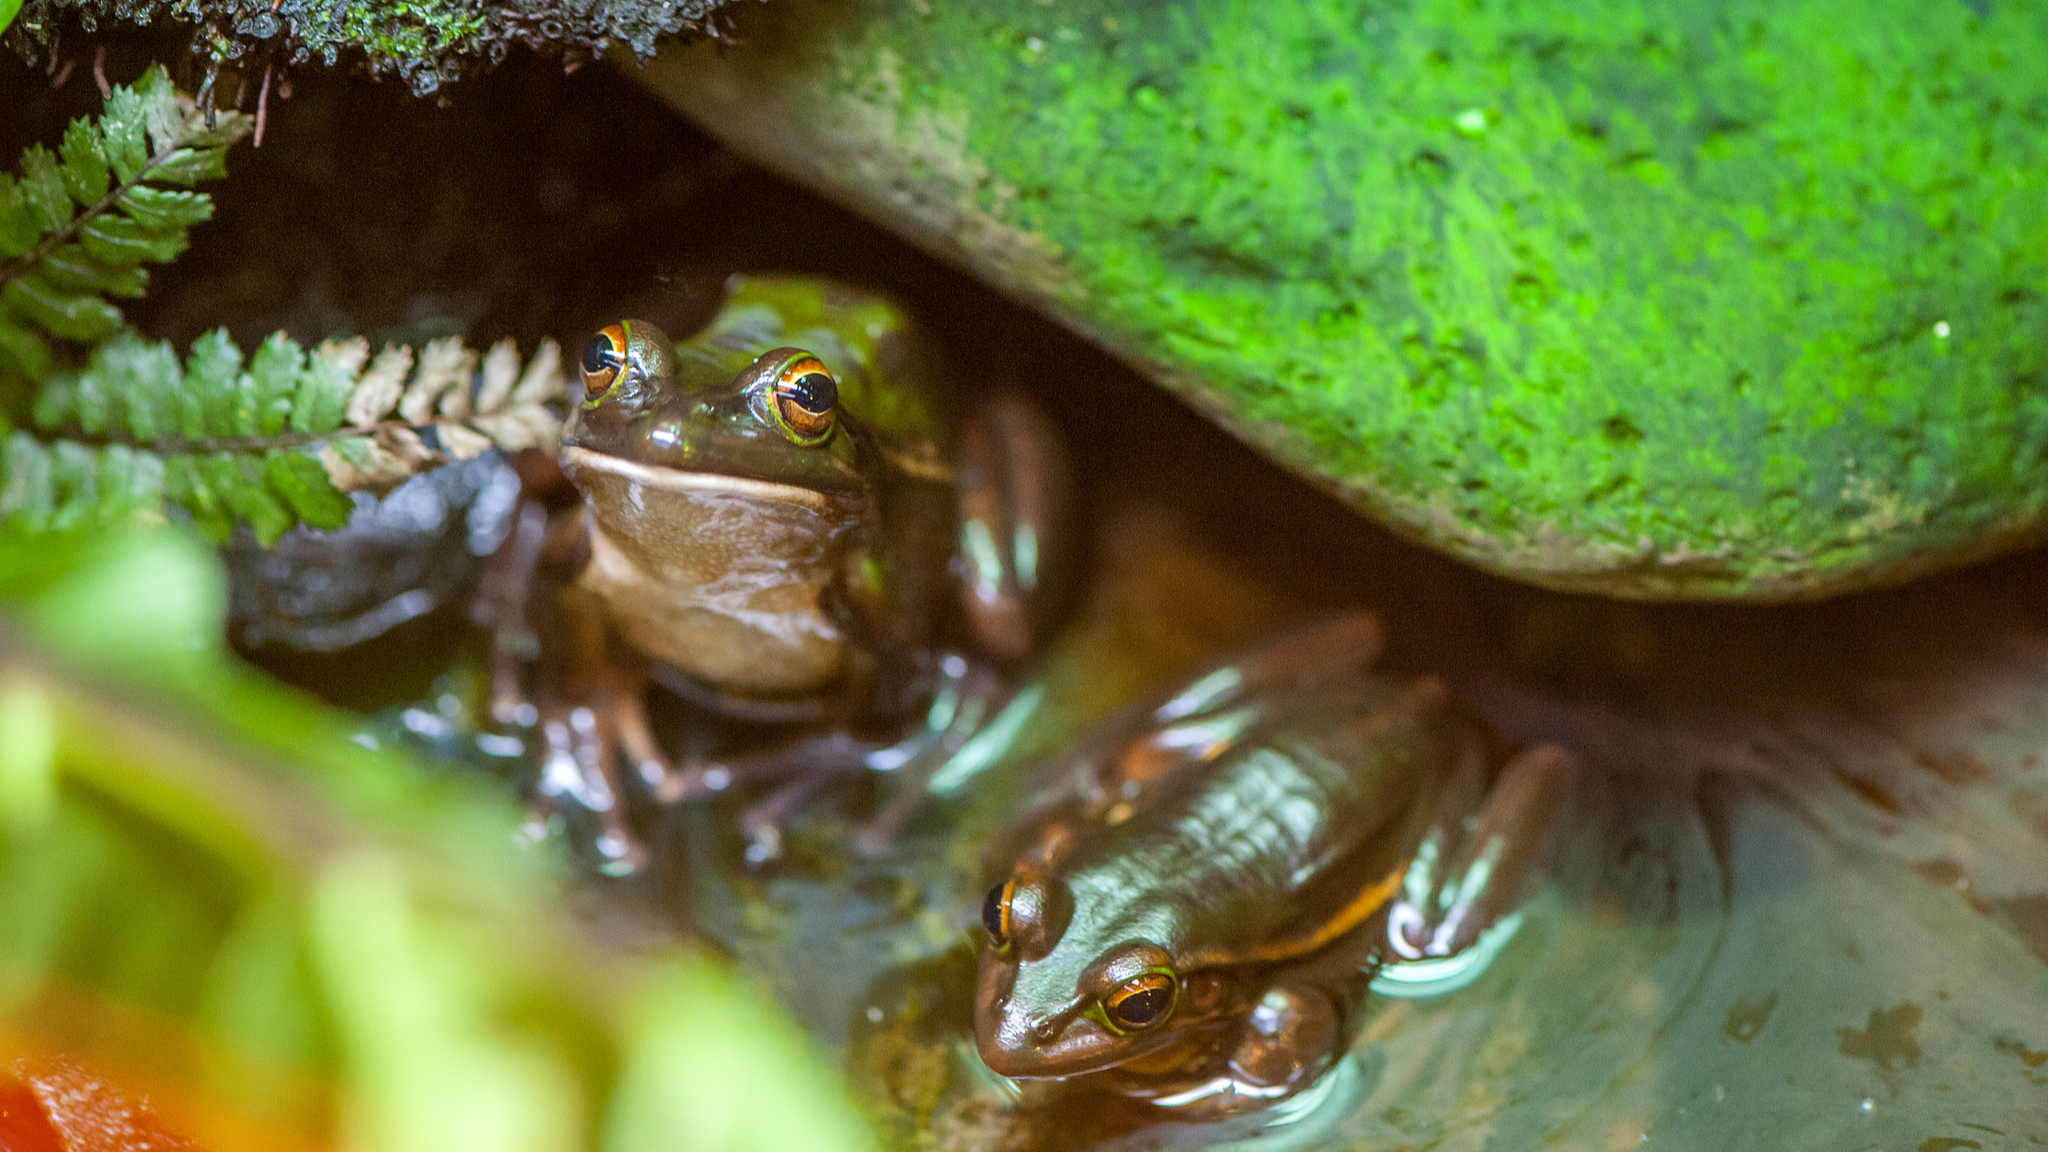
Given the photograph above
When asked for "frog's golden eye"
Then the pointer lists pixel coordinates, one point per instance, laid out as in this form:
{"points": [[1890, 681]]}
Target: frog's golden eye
{"points": [[995, 914], [1026, 915], [1140, 1002], [622, 357], [806, 400], [603, 359], [794, 391]]}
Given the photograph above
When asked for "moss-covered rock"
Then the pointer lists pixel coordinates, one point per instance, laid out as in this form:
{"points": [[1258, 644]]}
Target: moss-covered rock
{"points": [[428, 42], [1659, 298]]}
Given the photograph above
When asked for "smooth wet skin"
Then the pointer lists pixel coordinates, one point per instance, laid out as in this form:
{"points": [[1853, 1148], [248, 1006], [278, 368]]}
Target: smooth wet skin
{"points": [[778, 514], [716, 528], [1191, 911]]}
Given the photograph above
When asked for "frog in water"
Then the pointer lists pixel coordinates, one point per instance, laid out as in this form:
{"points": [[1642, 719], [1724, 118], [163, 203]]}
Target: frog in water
{"points": [[1192, 909], [778, 521]]}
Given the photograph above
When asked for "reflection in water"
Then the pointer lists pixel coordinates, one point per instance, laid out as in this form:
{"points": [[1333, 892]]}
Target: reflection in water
{"points": [[1438, 975], [1798, 902]]}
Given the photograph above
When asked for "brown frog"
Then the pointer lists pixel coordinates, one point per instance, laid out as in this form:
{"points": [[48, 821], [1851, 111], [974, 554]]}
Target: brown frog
{"points": [[780, 519], [1190, 913]]}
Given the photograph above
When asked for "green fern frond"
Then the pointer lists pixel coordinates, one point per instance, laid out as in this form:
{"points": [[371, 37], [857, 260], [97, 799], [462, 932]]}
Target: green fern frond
{"points": [[406, 414], [272, 442], [79, 224]]}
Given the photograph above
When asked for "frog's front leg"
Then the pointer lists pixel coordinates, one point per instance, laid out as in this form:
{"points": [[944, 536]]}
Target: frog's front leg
{"points": [[504, 595], [1471, 871], [1287, 1039], [591, 711], [1016, 533]]}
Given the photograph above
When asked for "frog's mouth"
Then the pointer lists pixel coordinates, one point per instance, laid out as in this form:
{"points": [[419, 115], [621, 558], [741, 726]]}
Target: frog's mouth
{"points": [[575, 458]]}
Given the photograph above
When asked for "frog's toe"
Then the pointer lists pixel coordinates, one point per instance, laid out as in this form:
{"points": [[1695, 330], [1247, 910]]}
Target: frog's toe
{"points": [[620, 852], [693, 779], [762, 823], [627, 719], [575, 760], [580, 746], [1487, 876], [1287, 1038], [880, 834], [764, 845]]}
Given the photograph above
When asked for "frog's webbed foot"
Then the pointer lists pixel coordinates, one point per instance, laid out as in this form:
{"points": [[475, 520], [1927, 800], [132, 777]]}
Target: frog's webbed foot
{"points": [[573, 768], [1462, 883], [583, 745], [586, 710], [584, 715]]}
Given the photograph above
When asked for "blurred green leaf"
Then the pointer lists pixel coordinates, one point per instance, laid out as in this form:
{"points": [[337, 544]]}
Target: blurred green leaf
{"points": [[28, 757], [120, 241], [143, 603], [707, 1073], [322, 944], [67, 315]]}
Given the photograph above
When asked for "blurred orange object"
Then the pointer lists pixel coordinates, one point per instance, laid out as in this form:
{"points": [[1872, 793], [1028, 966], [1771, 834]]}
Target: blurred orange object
{"points": [[56, 1104]]}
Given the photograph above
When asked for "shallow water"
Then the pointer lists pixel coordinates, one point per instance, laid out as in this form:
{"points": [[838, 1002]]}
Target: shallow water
{"points": [[1802, 900]]}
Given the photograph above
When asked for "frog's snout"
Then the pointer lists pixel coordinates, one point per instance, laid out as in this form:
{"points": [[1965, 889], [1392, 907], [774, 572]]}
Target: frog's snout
{"points": [[1022, 1039]]}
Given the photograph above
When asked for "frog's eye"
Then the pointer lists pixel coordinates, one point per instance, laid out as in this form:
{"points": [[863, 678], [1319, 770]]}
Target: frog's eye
{"points": [[1026, 915], [995, 914], [805, 400], [603, 359], [793, 390], [1140, 1002], [623, 356]]}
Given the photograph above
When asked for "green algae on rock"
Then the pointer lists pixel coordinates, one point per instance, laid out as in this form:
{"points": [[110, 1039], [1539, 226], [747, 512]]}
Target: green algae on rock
{"points": [[1658, 299]]}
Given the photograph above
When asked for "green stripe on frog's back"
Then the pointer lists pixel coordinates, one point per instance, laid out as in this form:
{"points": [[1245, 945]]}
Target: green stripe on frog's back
{"points": [[846, 329]]}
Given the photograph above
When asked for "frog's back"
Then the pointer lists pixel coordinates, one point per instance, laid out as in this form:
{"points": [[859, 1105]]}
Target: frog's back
{"points": [[1271, 840]]}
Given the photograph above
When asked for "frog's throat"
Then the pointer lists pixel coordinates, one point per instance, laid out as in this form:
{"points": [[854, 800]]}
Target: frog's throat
{"points": [[678, 480]]}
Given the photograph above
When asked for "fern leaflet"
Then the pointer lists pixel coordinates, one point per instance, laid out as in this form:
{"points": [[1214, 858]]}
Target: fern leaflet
{"points": [[270, 443], [79, 223]]}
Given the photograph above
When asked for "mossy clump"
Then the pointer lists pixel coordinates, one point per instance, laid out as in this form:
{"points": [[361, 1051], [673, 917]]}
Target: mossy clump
{"points": [[426, 42]]}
